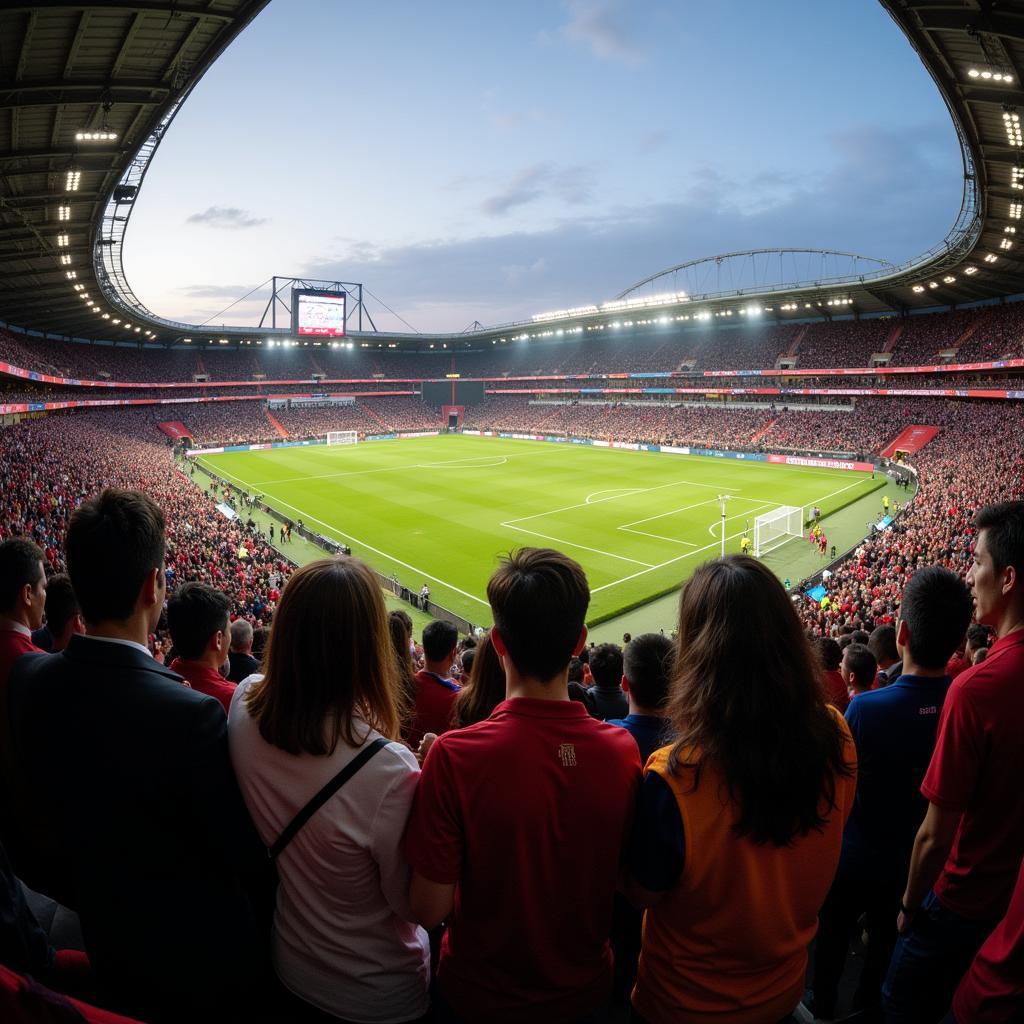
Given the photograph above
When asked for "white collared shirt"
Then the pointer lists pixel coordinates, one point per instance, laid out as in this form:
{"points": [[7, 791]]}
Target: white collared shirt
{"points": [[116, 640], [14, 626]]}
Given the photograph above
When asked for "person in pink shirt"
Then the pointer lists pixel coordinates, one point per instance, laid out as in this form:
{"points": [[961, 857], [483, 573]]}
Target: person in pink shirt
{"points": [[197, 616]]}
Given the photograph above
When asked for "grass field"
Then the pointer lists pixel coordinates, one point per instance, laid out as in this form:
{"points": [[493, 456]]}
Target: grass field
{"points": [[442, 510]]}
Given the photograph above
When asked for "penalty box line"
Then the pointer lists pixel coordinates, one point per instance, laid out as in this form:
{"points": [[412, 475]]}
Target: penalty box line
{"points": [[707, 547]]}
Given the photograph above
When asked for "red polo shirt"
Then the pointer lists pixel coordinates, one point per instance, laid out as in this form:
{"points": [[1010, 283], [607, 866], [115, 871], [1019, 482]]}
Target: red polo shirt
{"points": [[205, 680], [977, 769], [527, 813]]}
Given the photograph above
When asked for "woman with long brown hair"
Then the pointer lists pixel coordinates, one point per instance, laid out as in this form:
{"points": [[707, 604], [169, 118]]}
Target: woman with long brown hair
{"points": [[329, 700], [739, 824], [485, 688], [400, 630]]}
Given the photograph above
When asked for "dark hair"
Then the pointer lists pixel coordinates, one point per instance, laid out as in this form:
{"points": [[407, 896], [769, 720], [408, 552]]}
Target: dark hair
{"points": [[19, 567], [61, 603], [978, 636], [439, 639], [576, 672], [861, 662], [195, 611], [860, 636], [830, 654], [539, 598], [113, 543], [882, 643], [1004, 534], [400, 631], [260, 635], [484, 690], [466, 659], [329, 660], [647, 666], [936, 606], [746, 698], [606, 664]]}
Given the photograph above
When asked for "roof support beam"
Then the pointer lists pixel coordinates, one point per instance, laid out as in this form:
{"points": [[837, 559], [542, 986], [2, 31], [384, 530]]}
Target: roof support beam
{"points": [[144, 6], [76, 42], [25, 41]]}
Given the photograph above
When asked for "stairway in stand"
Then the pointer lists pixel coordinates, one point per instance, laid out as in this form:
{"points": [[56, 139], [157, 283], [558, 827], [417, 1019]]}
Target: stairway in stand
{"points": [[276, 424]]}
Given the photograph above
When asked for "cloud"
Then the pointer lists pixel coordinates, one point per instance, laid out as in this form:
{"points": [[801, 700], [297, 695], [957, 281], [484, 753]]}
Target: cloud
{"points": [[891, 194], [599, 26], [571, 185], [213, 291], [229, 217]]}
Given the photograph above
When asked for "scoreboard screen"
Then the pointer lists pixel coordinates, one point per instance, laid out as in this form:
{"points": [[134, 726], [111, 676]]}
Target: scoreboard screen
{"points": [[318, 314]]}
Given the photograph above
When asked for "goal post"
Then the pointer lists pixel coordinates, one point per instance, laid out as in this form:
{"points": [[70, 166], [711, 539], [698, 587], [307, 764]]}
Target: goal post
{"points": [[773, 529], [342, 437]]}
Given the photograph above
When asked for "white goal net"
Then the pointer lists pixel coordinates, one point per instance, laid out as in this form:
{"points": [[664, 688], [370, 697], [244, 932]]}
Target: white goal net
{"points": [[773, 529], [342, 437]]}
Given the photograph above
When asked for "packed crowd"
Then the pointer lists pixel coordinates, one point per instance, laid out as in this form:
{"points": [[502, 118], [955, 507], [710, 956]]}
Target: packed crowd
{"points": [[987, 333]]}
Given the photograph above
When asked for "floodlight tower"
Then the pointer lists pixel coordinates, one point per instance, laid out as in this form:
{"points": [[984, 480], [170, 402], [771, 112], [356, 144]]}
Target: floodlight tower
{"points": [[724, 499]]}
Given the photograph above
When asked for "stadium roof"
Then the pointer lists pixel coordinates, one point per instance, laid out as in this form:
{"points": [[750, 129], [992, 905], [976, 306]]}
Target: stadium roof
{"points": [[73, 75], [82, 87]]}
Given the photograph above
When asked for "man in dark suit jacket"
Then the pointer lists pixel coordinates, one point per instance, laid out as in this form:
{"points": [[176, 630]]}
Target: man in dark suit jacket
{"points": [[242, 663], [146, 834]]}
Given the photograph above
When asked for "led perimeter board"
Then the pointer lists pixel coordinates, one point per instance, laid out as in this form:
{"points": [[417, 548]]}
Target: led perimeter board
{"points": [[317, 314]]}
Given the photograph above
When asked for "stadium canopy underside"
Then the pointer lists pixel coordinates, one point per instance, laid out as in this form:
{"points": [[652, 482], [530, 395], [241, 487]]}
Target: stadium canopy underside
{"points": [[88, 90]]}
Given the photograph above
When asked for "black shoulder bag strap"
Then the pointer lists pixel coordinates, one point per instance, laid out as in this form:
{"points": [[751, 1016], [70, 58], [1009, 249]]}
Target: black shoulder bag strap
{"points": [[324, 795]]}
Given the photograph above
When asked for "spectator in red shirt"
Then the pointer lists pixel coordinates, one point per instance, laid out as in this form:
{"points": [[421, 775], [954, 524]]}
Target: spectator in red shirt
{"points": [[22, 600], [992, 991], [519, 823], [969, 847], [977, 638], [197, 616], [435, 692], [830, 658]]}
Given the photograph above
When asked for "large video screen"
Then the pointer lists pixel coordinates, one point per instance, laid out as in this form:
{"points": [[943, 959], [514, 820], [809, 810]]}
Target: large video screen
{"points": [[318, 314]]}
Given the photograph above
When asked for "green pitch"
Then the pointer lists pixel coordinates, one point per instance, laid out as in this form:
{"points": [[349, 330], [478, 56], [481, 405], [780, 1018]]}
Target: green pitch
{"points": [[442, 510]]}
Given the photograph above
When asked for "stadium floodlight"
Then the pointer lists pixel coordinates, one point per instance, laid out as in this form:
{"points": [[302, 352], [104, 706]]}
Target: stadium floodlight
{"points": [[990, 76], [933, 284], [918, 288], [62, 239], [72, 180], [773, 529], [1009, 230], [79, 287], [949, 279], [116, 320], [1005, 243], [1017, 178], [991, 258], [1015, 210], [65, 260], [1011, 122], [106, 316], [103, 136], [64, 213], [71, 274], [970, 270]]}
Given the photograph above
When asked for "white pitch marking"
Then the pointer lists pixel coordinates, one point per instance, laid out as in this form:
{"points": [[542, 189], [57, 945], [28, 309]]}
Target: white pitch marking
{"points": [[707, 547], [573, 544], [621, 491]]}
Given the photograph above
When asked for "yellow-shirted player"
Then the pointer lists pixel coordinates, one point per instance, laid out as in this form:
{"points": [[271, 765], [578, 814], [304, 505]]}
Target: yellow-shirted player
{"points": [[744, 545]]}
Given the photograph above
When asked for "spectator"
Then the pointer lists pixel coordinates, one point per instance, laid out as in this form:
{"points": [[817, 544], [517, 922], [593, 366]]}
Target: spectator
{"points": [[992, 991], [969, 848], [894, 731], [882, 644], [22, 600], [830, 657], [241, 662], [733, 897], [435, 691], [329, 702], [977, 638], [605, 698], [145, 835], [525, 886], [63, 616], [197, 616], [485, 688], [400, 630], [858, 669], [646, 670]]}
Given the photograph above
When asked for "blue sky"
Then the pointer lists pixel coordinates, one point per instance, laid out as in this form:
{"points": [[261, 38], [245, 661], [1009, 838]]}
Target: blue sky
{"points": [[472, 160]]}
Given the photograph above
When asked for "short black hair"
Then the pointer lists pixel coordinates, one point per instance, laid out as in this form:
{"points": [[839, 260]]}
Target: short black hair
{"points": [[114, 541], [937, 608], [539, 600], [606, 664], [647, 665], [861, 662], [195, 612], [830, 654], [978, 635], [882, 643], [439, 639], [575, 670], [61, 603], [19, 567], [860, 636], [1004, 527]]}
